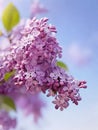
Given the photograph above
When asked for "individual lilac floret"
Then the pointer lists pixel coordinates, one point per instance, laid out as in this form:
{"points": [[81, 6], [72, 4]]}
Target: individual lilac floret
{"points": [[33, 55], [6, 122]]}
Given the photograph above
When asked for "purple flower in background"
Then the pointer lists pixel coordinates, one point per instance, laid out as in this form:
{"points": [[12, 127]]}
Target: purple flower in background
{"points": [[6, 122], [37, 8], [29, 104], [33, 55]]}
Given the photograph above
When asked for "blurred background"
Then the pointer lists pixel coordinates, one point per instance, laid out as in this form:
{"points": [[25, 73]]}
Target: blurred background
{"points": [[77, 26]]}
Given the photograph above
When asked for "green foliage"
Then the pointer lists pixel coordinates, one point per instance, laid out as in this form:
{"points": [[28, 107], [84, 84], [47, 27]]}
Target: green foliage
{"points": [[9, 75], [62, 65], [10, 17], [7, 103]]}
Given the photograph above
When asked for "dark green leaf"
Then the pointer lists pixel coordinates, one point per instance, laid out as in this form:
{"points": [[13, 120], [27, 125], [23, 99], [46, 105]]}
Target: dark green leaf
{"points": [[7, 103], [62, 65], [10, 17]]}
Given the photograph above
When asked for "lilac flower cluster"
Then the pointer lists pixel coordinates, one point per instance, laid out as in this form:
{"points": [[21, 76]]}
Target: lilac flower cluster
{"points": [[6, 122], [33, 55]]}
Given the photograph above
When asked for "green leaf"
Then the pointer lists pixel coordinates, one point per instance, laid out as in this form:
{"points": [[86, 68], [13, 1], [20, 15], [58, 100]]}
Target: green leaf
{"points": [[7, 103], [62, 65], [10, 17], [9, 75]]}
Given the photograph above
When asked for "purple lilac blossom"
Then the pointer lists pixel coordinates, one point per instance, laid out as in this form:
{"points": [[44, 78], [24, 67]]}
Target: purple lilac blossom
{"points": [[33, 55], [29, 104], [6, 122]]}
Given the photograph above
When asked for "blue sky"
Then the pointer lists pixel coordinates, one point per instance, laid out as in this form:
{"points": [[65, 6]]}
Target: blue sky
{"points": [[76, 22]]}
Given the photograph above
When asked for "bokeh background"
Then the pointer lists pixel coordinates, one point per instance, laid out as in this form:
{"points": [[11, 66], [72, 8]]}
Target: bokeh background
{"points": [[77, 25]]}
